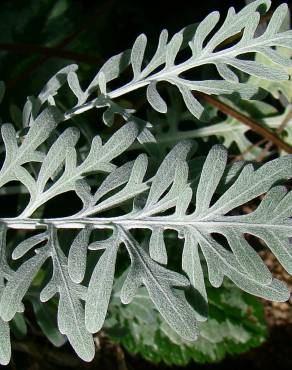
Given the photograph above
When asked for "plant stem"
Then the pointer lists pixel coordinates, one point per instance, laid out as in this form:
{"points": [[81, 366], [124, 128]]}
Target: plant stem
{"points": [[66, 41], [127, 223], [51, 52], [254, 125], [279, 130]]}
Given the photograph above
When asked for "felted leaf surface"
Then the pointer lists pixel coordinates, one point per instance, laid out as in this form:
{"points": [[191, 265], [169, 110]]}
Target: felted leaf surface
{"points": [[132, 206]]}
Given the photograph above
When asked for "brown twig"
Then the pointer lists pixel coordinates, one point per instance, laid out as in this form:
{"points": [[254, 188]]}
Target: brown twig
{"points": [[59, 52], [240, 157], [263, 141], [50, 52], [121, 361], [65, 42], [255, 126], [278, 131]]}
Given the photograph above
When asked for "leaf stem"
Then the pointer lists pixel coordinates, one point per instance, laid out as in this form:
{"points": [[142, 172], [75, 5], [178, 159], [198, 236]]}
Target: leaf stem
{"points": [[128, 223]]}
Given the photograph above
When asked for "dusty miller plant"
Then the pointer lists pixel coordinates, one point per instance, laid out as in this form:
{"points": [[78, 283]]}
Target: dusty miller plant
{"points": [[168, 199]]}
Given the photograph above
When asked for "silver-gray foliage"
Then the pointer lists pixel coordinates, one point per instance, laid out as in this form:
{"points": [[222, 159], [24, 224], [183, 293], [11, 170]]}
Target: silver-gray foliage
{"points": [[206, 48], [160, 202], [167, 199]]}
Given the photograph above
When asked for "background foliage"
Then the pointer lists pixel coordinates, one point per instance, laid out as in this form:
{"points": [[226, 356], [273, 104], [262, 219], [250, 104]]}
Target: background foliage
{"points": [[237, 322]]}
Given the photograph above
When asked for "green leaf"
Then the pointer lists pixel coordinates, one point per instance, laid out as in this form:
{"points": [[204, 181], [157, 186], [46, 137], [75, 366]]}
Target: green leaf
{"points": [[18, 326], [236, 323], [46, 319], [203, 206]]}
